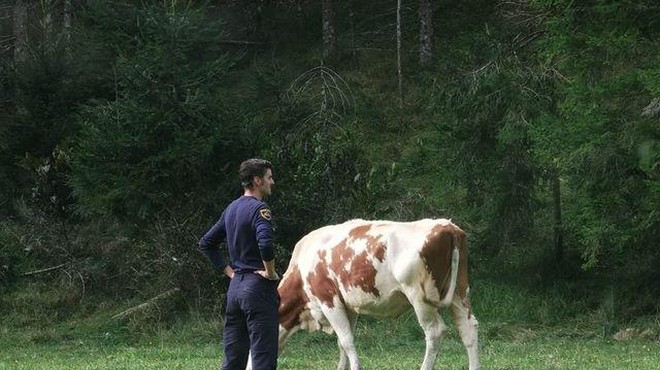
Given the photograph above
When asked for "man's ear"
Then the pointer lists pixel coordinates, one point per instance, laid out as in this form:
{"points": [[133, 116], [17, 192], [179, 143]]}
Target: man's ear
{"points": [[257, 180]]}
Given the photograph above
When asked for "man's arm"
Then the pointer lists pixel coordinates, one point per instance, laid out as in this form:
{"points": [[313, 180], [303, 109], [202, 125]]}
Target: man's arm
{"points": [[209, 246], [212, 252], [264, 232]]}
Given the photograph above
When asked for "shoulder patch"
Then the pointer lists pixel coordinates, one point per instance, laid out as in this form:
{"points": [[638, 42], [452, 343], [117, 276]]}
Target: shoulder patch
{"points": [[265, 213]]}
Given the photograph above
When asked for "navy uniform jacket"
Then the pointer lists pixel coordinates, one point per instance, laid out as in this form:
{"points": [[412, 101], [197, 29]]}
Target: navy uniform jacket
{"points": [[246, 225]]}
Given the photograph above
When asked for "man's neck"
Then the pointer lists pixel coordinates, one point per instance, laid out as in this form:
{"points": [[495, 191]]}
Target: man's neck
{"points": [[252, 193]]}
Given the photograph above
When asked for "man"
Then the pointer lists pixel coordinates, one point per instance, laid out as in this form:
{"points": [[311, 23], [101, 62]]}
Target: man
{"points": [[251, 321]]}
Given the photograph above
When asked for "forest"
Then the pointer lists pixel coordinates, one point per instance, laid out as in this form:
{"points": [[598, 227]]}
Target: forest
{"points": [[533, 124]]}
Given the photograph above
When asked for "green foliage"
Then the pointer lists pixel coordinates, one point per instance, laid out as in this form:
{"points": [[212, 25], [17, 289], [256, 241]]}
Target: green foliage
{"points": [[607, 59], [317, 156], [485, 139], [141, 127], [10, 254], [172, 126], [38, 102]]}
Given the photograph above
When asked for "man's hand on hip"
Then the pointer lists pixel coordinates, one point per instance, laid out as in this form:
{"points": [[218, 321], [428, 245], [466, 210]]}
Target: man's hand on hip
{"points": [[267, 276]]}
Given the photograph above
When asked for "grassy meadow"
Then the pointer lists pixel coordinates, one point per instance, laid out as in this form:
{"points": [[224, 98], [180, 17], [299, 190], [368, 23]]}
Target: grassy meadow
{"points": [[518, 330], [382, 345], [43, 327]]}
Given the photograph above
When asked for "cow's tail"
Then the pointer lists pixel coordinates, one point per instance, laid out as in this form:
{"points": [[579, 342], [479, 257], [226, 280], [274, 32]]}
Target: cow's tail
{"points": [[454, 272]]}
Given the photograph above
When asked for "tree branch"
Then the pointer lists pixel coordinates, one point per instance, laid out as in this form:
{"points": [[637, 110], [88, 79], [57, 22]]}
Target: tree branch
{"points": [[44, 270], [145, 305]]}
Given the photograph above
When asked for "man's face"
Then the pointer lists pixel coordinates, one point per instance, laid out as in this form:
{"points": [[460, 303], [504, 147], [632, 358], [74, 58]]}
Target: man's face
{"points": [[265, 183]]}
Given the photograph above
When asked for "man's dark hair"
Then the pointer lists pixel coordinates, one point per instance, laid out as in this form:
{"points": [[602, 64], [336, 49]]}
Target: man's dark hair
{"points": [[251, 168]]}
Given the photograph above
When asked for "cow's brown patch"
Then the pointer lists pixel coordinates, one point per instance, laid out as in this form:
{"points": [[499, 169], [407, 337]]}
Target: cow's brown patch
{"points": [[377, 249], [462, 283], [359, 231], [362, 274], [436, 254], [321, 285], [357, 270], [351, 270], [341, 256], [292, 299], [374, 246]]}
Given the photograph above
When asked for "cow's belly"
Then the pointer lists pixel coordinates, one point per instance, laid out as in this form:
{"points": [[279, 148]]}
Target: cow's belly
{"points": [[390, 305]]}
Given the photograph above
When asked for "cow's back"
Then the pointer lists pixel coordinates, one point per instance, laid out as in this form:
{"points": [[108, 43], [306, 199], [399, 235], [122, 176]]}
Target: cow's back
{"points": [[368, 265]]}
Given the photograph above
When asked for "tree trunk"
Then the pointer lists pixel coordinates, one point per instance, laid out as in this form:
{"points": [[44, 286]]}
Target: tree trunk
{"points": [[48, 7], [300, 16], [329, 39], [67, 22], [351, 17], [255, 11], [398, 52], [425, 31], [20, 30], [558, 227]]}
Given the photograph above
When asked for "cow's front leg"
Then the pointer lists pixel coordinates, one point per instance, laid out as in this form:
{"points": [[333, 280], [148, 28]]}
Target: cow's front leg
{"points": [[343, 323], [284, 335], [343, 357]]}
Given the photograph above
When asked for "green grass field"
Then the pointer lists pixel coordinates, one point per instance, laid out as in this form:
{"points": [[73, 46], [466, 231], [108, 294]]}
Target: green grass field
{"points": [[519, 329], [381, 344]]}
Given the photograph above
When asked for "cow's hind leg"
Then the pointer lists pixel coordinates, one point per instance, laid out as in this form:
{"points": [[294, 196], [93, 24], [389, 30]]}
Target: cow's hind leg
{"points": [[343, 323], [429, 319], [467, 327]]}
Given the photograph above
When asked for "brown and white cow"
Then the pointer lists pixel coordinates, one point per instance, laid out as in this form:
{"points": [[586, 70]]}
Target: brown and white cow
{"points": [[381, 269]]}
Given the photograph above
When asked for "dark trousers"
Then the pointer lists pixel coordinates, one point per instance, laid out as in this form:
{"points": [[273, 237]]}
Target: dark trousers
{"points": [[251, 323]]}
